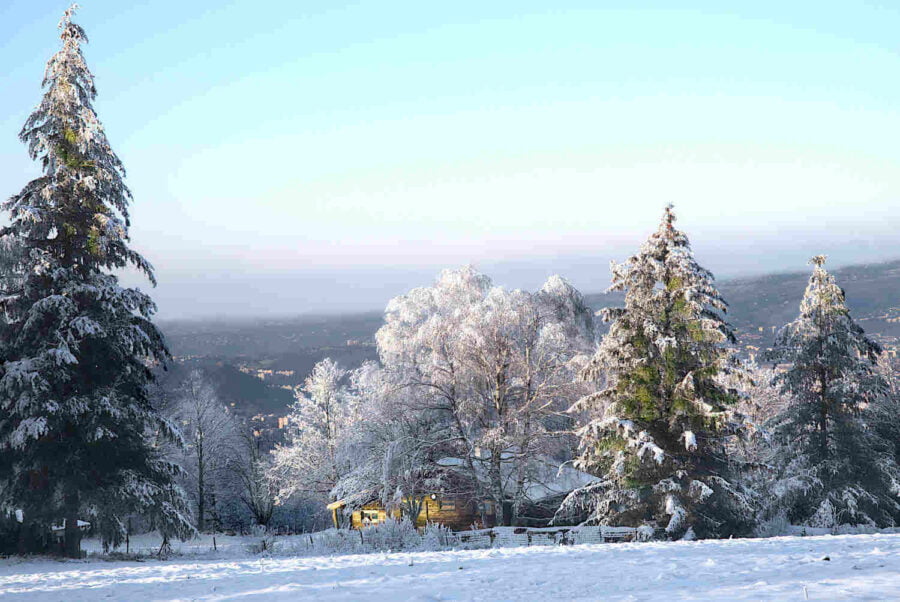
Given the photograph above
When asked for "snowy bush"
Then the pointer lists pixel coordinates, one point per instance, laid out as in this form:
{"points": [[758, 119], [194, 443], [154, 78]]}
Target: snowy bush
{"points": [[438, 537], [645, 533], [265, 540], [776, 525], [391, 535]]}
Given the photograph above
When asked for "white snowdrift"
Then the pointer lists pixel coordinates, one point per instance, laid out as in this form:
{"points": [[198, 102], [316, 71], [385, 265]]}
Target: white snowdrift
{"points": [[826, 567]]}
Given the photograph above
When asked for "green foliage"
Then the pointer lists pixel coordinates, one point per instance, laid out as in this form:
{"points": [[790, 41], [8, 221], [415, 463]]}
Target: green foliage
{"points": [[93, 241]]}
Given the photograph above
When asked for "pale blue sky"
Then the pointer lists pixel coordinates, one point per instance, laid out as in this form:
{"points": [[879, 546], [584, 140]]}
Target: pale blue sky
{"points": [[292, 156]]}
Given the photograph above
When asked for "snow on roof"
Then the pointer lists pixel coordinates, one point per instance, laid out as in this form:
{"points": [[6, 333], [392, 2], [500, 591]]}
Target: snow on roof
{"points": [[547, 477], [552, 479]]}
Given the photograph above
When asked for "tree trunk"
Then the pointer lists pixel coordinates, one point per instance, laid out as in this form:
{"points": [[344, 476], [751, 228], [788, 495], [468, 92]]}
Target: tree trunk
{"points": [[201, 484], [507, 506], [214, 516], [823, 415], [26, 542], [413, 508], [496, 477], [72, 547], [521, 470]]}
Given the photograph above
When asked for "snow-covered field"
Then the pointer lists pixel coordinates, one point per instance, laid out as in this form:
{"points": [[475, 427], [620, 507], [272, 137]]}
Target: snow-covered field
{"points": [[784, 568]]}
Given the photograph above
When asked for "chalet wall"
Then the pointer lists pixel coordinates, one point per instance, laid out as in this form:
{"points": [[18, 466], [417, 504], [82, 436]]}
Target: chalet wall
{"points": [[455, 513]]}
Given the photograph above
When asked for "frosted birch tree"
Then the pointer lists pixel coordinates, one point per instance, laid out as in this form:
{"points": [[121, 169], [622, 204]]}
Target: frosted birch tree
{"points": [[251, 472], [497, 365], [211, 439], [313, 459], [393, 451]]}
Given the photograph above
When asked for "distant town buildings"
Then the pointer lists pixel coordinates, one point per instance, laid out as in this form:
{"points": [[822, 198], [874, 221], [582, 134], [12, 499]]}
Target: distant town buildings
{"points": [[263, 374]]}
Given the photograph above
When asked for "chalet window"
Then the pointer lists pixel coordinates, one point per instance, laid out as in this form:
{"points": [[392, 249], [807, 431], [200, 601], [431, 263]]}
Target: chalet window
{"points": [[486, 507], [370, 516], [448, 505]]}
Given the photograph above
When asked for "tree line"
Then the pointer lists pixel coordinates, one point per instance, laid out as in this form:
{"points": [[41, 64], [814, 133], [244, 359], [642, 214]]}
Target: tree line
{"points": [[478, 389], [681, 434]]}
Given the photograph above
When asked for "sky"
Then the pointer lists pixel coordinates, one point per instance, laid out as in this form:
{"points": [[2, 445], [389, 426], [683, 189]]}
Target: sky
{"points": [[293, 157]]}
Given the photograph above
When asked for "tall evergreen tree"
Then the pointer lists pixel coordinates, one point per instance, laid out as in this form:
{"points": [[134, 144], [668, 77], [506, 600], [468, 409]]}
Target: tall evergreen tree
{"points": [[832, 466], [76, 426], [657, 425], [886, 409]]}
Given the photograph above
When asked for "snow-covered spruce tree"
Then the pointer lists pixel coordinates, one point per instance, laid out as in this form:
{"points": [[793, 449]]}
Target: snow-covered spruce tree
{"points": [[76, 423], [832, 467], [886, 408], [655, 428]]}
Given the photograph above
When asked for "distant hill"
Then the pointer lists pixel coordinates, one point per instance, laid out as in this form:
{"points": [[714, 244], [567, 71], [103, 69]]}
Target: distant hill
{"points": [[235, 353], [252, 361], [873, 295], [244, 392], [271, 336]]}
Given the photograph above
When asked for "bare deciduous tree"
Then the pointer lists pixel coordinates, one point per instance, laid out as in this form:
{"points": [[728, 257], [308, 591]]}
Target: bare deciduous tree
{"points": [[210, 439], [251, 468]]}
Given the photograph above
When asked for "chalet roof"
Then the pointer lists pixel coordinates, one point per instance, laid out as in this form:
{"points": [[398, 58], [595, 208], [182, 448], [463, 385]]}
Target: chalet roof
{"points": [[556, 479], [548, 478], [356, 499]]}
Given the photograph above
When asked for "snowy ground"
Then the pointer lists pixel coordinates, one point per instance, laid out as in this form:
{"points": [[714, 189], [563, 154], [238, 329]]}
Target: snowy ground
{"points": [[826, 567]]}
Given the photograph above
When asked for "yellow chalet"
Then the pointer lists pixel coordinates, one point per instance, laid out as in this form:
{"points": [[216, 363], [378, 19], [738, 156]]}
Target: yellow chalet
{"points": [[550, 483], [453, 512]]}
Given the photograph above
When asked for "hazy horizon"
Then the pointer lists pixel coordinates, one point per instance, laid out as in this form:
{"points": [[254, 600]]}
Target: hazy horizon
{"points": [[292, 158], [300, 294]]}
